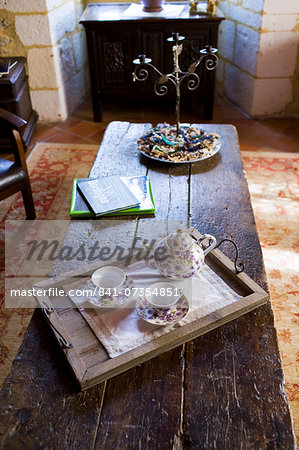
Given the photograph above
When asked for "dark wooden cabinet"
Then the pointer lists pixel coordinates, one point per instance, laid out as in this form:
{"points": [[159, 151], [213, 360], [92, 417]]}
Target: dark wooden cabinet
{"points": [[114, 39], [15, 97]]}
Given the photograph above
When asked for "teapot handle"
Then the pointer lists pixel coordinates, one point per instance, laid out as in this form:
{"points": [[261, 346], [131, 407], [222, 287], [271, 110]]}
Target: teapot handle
{"points": [[212, 242]]}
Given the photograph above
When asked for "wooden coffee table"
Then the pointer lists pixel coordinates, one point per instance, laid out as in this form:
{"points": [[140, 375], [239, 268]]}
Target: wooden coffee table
{"points": [[224, 389]]}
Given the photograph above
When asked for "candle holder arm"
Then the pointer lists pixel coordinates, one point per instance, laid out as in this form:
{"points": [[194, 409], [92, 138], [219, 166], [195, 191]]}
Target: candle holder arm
{"points": [[141, 73]]}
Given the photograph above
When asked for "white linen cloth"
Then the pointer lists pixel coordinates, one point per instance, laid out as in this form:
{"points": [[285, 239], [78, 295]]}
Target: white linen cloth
{"points": [[121, 329], [136, 10]]}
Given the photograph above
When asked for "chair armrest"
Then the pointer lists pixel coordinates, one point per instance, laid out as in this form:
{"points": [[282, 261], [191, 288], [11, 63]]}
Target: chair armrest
{"points": [[11, 119]]}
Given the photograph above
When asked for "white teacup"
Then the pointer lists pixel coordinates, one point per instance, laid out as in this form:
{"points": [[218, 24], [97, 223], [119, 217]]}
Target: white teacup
{"points": [[162, 295], [109, 279]]}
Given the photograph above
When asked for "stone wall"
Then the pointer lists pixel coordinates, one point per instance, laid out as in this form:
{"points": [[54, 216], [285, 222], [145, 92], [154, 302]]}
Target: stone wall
{"points": [[293, 108], [258, 45], [48, 34]]}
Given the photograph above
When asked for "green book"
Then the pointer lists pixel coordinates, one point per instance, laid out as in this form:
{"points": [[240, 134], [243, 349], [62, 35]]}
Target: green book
{"points": [[107, 195], [140, 187]]}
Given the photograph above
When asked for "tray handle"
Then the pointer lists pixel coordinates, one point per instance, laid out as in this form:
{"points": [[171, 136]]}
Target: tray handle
{"points": [[47, 310], [239, 267]]}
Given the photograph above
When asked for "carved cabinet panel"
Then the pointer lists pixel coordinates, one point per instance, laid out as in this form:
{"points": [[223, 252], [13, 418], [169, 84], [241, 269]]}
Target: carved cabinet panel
{"points": [[109, 64], [114, 62]]}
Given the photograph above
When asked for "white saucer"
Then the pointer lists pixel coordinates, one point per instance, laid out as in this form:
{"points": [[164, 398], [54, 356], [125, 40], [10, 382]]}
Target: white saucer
{"points": [[110, 301], [164, 315]]}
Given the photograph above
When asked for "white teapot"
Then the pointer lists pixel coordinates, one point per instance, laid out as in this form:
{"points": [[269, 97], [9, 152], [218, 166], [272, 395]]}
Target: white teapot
{"points": [[179, 256]]}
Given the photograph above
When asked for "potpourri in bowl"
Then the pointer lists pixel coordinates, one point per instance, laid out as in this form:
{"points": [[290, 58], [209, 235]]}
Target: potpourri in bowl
{"points": [[190, 145]]}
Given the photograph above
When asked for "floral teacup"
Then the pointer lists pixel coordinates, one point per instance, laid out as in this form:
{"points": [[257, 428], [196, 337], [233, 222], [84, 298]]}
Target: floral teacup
{"points": [[110, 286], [164, 304]]}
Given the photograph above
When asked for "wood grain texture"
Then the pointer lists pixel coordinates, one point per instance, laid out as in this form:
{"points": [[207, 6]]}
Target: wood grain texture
{"points": [[40, 403], [236, 368], [234, 393], [222, 390]]}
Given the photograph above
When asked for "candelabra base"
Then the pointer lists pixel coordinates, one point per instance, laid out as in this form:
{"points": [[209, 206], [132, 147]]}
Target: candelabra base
{"points": [[189, 144]]}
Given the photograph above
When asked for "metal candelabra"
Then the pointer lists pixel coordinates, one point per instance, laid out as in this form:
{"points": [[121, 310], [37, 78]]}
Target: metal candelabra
{"points": [[208, 54]]}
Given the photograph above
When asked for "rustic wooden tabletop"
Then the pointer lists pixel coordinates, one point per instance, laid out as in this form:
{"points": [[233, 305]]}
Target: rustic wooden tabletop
{"points": [[223, 390]]}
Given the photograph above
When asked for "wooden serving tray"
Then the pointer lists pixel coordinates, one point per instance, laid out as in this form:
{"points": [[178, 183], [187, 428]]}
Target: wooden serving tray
{"points": [[86, 355]]}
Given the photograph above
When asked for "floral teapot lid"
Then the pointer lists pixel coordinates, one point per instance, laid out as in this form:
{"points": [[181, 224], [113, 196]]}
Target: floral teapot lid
{"points": [[179, 240]]}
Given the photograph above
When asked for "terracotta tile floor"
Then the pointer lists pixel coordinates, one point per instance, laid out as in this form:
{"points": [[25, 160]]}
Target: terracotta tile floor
{"points": [[263, 135]]}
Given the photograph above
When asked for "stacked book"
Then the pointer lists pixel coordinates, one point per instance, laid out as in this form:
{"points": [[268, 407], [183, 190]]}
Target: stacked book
{"points": [[111, 196]]}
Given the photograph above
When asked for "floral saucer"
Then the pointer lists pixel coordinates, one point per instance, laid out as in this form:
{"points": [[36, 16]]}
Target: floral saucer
{"points": [[162, 316], [110, 301]]}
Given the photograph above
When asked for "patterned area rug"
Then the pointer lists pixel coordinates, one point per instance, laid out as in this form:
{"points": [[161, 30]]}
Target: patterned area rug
{"points": [[273, 181], [52, 168], [274, 187]]}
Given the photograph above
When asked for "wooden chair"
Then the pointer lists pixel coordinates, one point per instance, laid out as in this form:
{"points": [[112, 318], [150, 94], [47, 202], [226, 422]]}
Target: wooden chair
{"points": [[14, 175]]}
